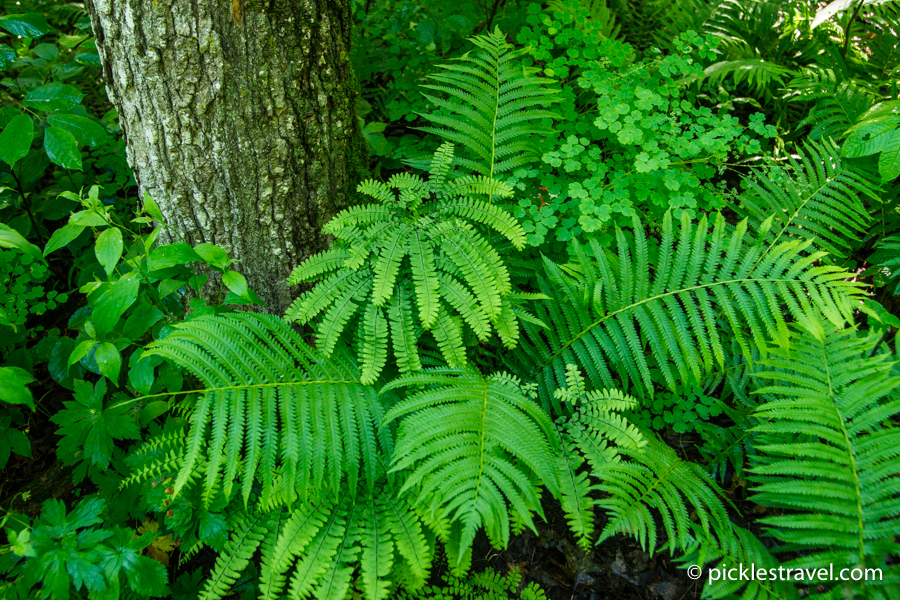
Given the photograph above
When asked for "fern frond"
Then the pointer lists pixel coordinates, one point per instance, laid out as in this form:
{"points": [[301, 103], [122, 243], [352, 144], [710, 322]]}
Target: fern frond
{"points": [[492, 106], [472, 445], [280, 398], [746, 550], [492, 216], [819, 197], [249, 529], [757, 73], [828, 453], [621, 309], [584, 438], [656, 479], [836, 103]]}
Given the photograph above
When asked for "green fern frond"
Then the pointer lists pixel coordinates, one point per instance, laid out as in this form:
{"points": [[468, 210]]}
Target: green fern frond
{"points": [[472, 445], [619, 309], [757, 73], [492, 106], [321, 544], [276, 398], [745, 551], [836, 103], [657, 480], [585, 437], [828, 454], [436, 253], [819, 197], [248, 531]]}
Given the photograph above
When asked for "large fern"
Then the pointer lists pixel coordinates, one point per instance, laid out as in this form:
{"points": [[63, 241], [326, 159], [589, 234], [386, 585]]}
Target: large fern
{"points": [[472, 445], [828, 455], [492, 106], [818, 197], [610, 312], [410, 263], [268, 403]]}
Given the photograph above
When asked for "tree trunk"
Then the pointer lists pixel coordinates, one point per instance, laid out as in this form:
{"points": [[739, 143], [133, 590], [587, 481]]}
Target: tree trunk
{"points": [[240, 121]]}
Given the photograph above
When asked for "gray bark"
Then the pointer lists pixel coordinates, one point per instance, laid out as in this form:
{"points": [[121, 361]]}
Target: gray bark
{"points": [[240, 121]]}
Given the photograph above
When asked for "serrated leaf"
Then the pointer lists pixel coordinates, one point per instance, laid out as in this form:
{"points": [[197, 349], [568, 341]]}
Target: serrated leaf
{"points": [[86, 423]]}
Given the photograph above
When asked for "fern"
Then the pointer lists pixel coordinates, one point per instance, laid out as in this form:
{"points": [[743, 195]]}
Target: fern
{"points": [[836, 103], [473, 444], [492, 106], [269, 399], [746, 550], [819, 197], [405, 263], [614, 311], [836, 482], [757, 73], [656, 479], [584, 438]]}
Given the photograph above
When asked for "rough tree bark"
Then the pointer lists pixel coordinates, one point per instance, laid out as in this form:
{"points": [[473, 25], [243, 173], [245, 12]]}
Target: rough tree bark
{"points": [[240, 121]]}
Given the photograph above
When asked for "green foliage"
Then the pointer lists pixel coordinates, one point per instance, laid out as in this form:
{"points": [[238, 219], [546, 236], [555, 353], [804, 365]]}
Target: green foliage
{"points": [[827, 454], [61, 551], [632, 139], [473, 444], [487, 585], [494, 108], [270, 398], [453, 268], [619, 315], [819, 197]]}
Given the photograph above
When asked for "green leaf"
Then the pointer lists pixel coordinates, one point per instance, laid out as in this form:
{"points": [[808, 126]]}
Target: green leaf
{"points": [[62, 149], [85, 130], [81, 351], [152, 208], [15, 141], [108, 249], [88, 218], [235, 282], [871, 138], [30, 25], [13, 390], [7, 56], [46, 51], [53, 97], [114, 302], [89, 59], [109, 361], [212, 255], [62, 237], [170, 255], [21, 542], [142, 318], [889, 161], [10, 238], [86, 423]]}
